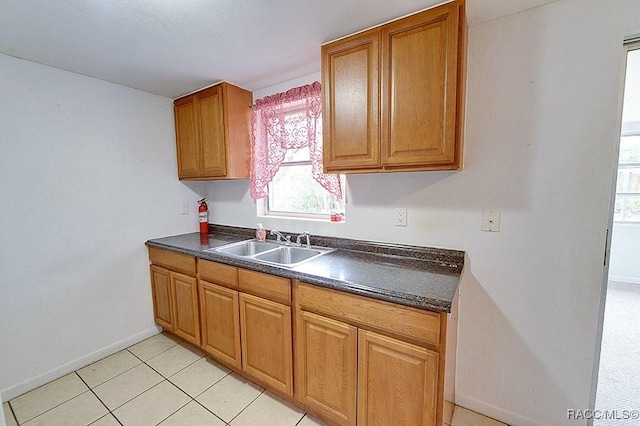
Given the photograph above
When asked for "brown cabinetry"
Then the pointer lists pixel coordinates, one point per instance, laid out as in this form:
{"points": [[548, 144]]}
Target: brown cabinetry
{"points": [[393, 95], [326, 366], [397, 382], [265, 320], [220, 311], [213, 133], [349, 359], [175, 293], [266, 342], [246, 322], [162, 297], [368, 362], [220, 323]]}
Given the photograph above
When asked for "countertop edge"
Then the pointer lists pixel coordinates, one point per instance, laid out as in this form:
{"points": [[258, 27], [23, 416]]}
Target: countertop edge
{"points": [[402, 298]]}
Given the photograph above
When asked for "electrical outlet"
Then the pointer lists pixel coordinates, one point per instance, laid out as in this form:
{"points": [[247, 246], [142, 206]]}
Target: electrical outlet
{"points": [[184, 208], [400, 218], [491, 220]]}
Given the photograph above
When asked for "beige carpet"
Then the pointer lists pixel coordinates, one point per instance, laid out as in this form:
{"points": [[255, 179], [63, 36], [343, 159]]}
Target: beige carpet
{"points": [[619, 377]]}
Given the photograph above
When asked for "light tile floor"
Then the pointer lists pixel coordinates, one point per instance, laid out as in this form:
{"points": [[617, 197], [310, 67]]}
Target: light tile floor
{"points": [[162, 381]]}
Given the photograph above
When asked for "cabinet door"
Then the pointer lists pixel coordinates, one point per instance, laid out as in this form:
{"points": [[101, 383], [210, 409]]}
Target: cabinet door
{"points": [[419, 81], [220, 316], [266, 342], [397, 382], [213, 159], [326, 366], [185, 298], [186, 137], [162, 299], [351, 119]]}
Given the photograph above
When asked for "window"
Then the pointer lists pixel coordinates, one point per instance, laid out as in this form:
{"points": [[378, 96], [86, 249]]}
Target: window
{"points": [[294, 192], [627, 208], [286, 162]]}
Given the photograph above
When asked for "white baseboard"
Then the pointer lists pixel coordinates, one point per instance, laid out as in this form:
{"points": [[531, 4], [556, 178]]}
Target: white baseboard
{"points": [[621, 279], [30, 384], [494, 412]]}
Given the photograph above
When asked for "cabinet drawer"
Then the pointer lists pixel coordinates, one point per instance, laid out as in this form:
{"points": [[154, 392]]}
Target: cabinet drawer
{"points": [[171, 260], [273, 288], [418, 324], [218, 273]]}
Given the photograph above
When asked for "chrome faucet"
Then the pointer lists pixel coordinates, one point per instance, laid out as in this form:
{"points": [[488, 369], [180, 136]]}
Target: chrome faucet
{"points": [[299, 238], [280, 237]]}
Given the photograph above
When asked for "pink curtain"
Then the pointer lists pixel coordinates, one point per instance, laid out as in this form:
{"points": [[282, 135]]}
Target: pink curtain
{"points": [[276, 129]]}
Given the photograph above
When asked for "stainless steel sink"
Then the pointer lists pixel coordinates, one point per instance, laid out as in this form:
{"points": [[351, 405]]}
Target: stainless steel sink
{"points": [[271, 253], [245, 248], [288, 255]]}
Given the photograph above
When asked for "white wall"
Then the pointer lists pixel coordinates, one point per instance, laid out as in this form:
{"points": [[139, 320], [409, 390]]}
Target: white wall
{"points": [[625, 252], [541, 135], [87, 174]]}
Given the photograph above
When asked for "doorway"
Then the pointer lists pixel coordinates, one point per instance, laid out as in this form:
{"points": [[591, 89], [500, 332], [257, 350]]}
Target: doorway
{"points": [[618, 390]]}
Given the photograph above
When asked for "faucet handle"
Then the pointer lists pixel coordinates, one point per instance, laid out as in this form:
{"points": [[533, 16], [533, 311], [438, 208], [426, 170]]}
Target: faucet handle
{"points": [[299, 238]]}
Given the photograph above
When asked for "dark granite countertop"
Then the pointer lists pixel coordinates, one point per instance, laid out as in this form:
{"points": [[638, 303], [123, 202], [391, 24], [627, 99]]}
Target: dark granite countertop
{"points": [[421, 277]]}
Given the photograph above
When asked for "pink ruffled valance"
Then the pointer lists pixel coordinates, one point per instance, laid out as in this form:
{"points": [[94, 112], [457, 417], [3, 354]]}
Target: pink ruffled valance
{"points": [[288, 120]]}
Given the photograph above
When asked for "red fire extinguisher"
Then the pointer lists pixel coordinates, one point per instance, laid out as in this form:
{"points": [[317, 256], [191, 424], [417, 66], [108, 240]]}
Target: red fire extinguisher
{"points": [[203, 213]]}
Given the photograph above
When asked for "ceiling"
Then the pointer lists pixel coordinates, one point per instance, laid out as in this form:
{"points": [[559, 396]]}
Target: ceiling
{"points": [[172, 47]]}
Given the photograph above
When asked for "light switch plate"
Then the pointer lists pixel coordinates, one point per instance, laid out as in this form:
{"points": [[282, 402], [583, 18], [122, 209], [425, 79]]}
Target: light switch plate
{"points": [[184, 208], [491, 220]]}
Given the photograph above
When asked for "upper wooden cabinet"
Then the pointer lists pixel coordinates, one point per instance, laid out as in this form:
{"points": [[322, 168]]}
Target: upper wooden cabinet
{"points": [[393, 95], [213, 128]]}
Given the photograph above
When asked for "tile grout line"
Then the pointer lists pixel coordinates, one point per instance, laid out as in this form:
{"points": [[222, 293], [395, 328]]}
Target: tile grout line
{"points": [[159, 353], [12, 412], [214, 414], [194, 398], [214, 383], [55, 406], [179, 408], [101, 401], [247, 406], [167, 379], [108, 380], [303, 416]]}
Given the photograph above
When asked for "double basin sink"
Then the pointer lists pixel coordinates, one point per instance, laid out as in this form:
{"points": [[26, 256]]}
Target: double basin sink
{"points": [[271, 253]]}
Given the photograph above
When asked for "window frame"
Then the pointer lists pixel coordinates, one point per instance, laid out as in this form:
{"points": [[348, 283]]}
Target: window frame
{"points": [[626, 194]]}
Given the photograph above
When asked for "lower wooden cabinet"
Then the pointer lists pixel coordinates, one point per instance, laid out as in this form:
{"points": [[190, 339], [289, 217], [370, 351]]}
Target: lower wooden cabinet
{"points": [[326, 366], [361, 361], [161, 293], [220, 317], [175, 298], [185, 297], [266, 342], [358, 360], [397, 382]]}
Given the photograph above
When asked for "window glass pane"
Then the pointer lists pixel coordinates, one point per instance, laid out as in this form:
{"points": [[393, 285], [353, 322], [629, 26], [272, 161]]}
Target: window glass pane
{"points": [[293, 189], [628, 179], [627, 208], [622, 180], [300, 154], [634, 180], [630, 149], [617, 210]]}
